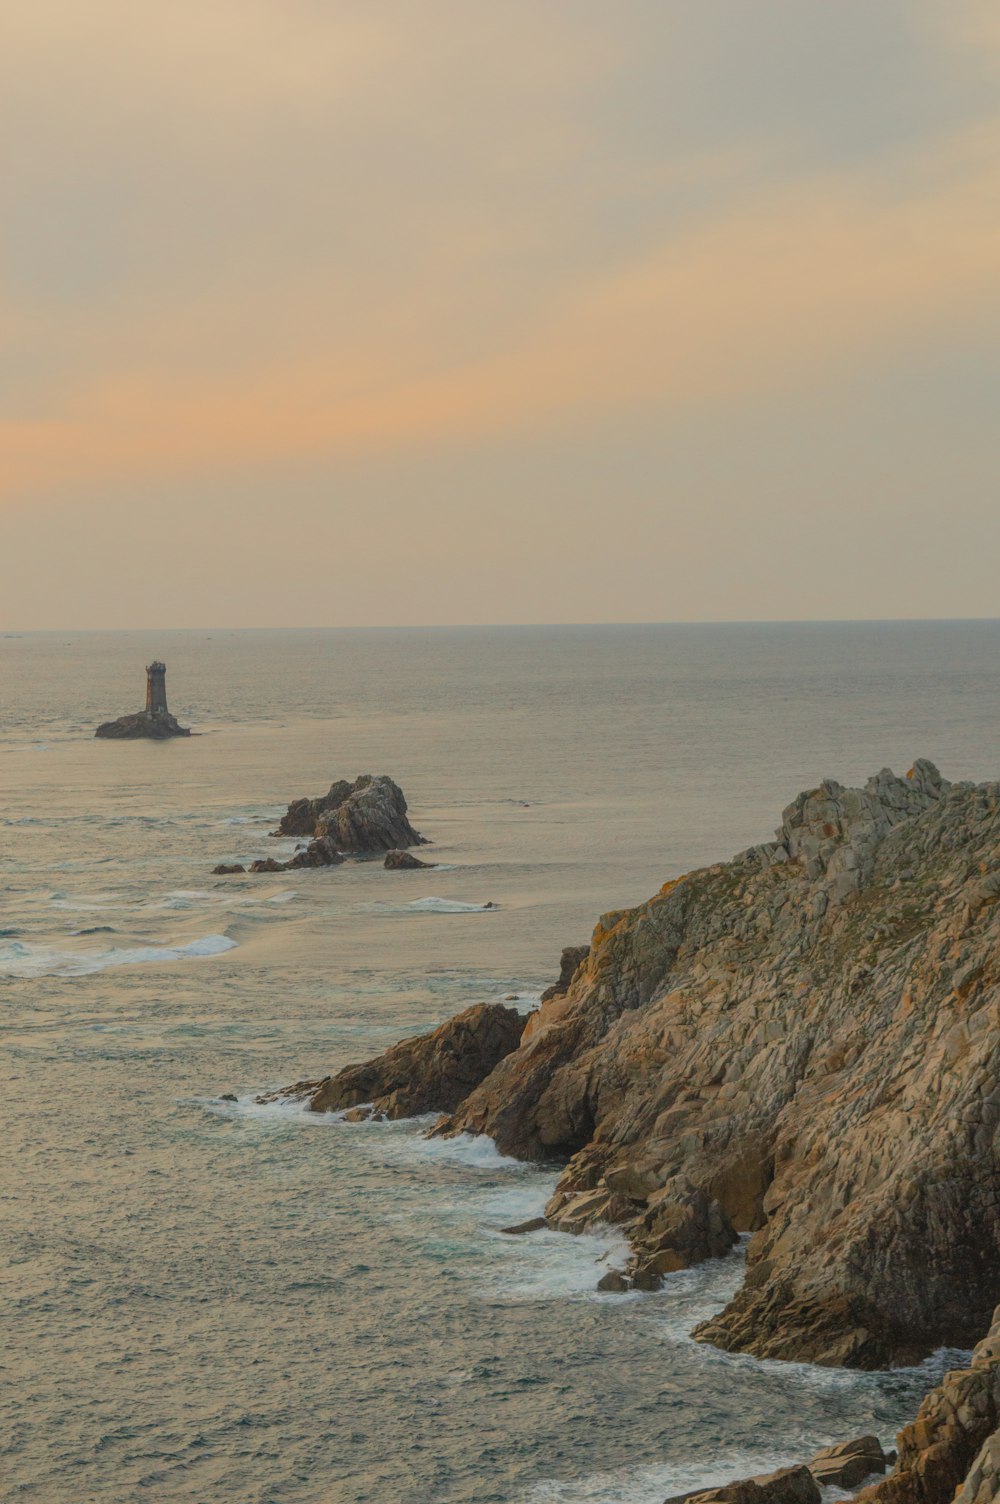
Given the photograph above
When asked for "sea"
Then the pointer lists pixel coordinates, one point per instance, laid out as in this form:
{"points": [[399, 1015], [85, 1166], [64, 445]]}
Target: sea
{"points": [[210, 1300]]}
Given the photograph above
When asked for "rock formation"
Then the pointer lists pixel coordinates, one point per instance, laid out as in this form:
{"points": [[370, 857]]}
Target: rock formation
{"points": [[570, 961], [789, 1485], [954, 1443], [155, 722], [808, 1036], [431, 1073], [802, 1043], [366, 816], [363, 818], [403, 861]]}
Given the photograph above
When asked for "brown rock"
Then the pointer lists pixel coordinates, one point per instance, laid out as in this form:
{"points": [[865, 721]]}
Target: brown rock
{"points": [[368, 815], [302, 815], [850, 1463], [954, 1443], [570, 962], [431, 1073], [614, 1281], [813, 1044], [142, 727], [403, 861], [533, 1224], [789, 1485], [226, 871]]}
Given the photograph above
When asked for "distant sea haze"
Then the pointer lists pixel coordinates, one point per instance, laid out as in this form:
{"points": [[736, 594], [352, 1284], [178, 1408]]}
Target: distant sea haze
{"points": [[212, 1299]]}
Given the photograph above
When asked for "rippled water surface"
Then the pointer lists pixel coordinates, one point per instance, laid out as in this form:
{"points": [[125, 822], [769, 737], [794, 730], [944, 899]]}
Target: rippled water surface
{"points": [[208, 1300]]}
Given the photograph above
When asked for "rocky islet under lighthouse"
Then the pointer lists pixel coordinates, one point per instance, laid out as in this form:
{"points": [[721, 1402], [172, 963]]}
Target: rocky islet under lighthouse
{"points": [[155, 722]]}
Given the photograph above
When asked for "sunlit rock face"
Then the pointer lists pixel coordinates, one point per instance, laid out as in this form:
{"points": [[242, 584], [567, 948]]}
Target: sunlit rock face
{"points": [[807, 1036]]}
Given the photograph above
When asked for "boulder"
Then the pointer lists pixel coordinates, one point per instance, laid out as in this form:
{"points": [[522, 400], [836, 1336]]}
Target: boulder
{"points": [[227, 870], [403, 861], [789, 1485], [850, 1463], [431, 1073], [615, 1282]]}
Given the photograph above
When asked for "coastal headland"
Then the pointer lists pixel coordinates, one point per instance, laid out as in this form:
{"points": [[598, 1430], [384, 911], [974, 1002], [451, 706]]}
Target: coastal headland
{"points": [[801, 1044]]}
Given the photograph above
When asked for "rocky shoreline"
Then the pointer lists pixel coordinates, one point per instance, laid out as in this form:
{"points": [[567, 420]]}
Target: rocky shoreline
{"points": [[802, 1044]]}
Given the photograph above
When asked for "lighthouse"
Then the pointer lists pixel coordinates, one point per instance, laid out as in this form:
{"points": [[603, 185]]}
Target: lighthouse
{"points": [[156, 688], [155, 722]]}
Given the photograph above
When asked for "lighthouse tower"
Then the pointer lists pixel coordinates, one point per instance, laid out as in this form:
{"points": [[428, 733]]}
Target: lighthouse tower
{"points": [[156, 688]]}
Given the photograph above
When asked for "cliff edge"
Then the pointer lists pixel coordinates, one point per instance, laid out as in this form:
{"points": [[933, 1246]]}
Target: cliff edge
{"points": [[808, 1036]]}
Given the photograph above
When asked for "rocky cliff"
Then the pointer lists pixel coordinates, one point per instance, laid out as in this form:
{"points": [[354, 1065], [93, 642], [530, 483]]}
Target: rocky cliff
{"points": [[806, 1036], [802, 1043]]}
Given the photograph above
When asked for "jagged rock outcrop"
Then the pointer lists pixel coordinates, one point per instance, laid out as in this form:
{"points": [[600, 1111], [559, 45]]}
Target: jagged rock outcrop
{"points": [[142, 725], [431, 1073], [368, 815], [570, 961], [810, 1036], [302, 815], [954, 1443], [362, 818]]}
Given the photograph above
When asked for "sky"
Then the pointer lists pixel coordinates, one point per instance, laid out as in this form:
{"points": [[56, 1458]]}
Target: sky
{"points": [[388, 312]]}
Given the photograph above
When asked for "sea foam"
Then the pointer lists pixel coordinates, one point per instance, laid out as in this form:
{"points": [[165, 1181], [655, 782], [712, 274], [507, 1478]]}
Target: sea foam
{"points": [[445, 906], [21, 959]]}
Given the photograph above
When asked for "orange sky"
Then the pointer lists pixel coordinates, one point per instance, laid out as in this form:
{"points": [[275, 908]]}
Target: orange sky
{"points": [[383, 313]]}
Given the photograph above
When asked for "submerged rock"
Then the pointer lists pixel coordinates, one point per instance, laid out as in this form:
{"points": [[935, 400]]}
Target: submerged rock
{"points": [[225, 869], [403, 861], [431, 1073]]}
